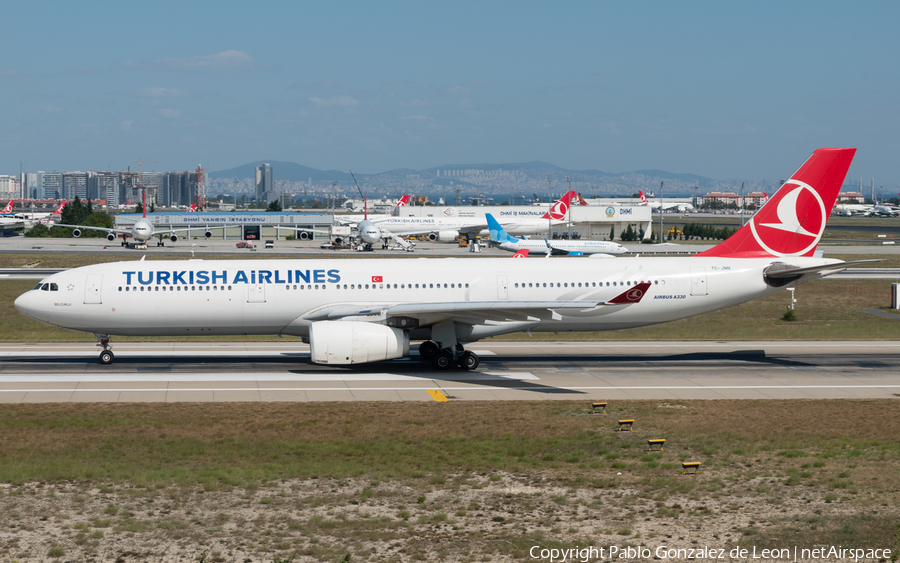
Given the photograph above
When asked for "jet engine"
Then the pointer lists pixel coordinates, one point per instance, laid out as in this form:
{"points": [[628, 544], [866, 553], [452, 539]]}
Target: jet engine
{"points": [[111, 237], [350, 342], [303, 235], [207, 234], [443, 236], [76, 233], [173, 238]]}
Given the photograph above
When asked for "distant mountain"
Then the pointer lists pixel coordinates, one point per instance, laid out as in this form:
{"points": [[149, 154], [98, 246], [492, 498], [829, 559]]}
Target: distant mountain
{"points": [[529, 176], [669, 176], [290, 171], [534, 165]]}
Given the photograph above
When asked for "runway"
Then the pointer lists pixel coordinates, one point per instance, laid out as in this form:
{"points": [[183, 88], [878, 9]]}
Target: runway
{"points": [[589, 371]]}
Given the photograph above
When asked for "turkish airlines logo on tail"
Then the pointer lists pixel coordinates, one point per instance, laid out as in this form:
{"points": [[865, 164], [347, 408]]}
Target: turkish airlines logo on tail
{"points": [[792, 221], [193, 208], [8, 208], [59, 209], [404, 201], [643, 197]]}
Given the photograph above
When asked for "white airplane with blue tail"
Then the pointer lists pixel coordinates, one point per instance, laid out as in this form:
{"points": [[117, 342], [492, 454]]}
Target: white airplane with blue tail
{"points": [[504, 241]]}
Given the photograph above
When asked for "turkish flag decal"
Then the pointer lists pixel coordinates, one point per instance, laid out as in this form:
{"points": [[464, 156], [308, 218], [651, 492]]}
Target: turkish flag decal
{"points": [[377, 279]]}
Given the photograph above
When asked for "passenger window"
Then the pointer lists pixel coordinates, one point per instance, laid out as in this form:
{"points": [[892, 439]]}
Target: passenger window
{"points": [[120, 288]]}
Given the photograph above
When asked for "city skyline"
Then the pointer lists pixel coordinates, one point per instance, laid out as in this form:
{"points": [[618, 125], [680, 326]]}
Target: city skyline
{"points": [[722, 91]]}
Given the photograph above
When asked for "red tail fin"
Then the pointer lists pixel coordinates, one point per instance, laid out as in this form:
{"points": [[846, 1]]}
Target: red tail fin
{"points": [[643, 197], [521, 254], [560, 210], [9, 207], [60, 208], [792, 221], [404, 201]]}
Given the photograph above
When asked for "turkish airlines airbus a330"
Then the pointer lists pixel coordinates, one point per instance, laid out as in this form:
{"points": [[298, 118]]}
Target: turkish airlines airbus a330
{"points": [[366, 310]]}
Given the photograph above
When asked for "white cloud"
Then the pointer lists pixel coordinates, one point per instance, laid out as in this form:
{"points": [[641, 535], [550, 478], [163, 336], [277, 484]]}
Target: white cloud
{"points": [[339, 101], [224, 61]]}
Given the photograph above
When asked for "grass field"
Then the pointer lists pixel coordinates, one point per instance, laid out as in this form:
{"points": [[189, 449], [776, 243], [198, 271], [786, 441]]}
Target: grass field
{"points": [[455, 481]]}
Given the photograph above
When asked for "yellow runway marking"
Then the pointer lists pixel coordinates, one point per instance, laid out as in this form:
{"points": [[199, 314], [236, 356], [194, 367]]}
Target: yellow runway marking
{"points": [[438, 396]]}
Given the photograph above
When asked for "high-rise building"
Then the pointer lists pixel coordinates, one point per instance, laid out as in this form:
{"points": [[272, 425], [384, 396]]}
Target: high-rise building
{"points": [[74, 184], [52, 185], [264, 187], [9, 187], [103, 185]]}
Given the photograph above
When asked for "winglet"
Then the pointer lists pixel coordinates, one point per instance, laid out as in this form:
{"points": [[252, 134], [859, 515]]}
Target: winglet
{"points": [[498, 234], [631, 295]]}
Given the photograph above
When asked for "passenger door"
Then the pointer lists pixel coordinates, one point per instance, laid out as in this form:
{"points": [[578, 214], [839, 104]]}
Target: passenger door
{"points": [[92, 289]]}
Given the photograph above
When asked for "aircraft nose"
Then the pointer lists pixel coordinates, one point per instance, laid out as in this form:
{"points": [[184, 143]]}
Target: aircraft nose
{"points": [[27, 305]]}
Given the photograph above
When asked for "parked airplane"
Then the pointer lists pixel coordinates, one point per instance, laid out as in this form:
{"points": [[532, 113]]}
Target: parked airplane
{"points": [[368, 233], [665, 205], [357, 311], [500, 239], [43, 215], [447, 229], [142, 231], [876, 210]]}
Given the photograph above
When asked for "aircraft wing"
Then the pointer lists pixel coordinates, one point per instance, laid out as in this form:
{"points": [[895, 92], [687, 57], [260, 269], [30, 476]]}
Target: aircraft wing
{"points": [[304, 229], [197, 228], [87, 228], [475, 312]]}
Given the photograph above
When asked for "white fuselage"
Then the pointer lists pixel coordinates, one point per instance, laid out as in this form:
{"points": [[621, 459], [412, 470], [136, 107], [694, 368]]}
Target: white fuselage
{"points": [[142, 230], [474, 226], [238, 297], [545, 246]]}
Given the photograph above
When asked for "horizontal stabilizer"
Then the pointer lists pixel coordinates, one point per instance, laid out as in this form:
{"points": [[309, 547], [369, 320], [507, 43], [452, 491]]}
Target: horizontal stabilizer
{"points": [[781, 270]]}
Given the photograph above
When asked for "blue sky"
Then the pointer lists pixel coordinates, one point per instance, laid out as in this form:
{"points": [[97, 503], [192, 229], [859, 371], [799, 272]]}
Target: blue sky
{"points": [[722, 89]]}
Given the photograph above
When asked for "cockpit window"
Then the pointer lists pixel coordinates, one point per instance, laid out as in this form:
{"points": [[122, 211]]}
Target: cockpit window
{"points": [[54, 287], [38, 286], [45, 287]]}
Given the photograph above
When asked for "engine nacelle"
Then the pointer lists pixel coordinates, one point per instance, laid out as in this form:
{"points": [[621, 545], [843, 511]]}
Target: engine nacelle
{"points": [[207, 234], [111, 237], [443, 236], [303, 235], [173, 238], [76, 233], [350, 342]]}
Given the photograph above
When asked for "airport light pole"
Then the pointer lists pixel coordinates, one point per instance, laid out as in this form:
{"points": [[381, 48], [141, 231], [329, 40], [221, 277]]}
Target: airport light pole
{"points": [[550, 208], [660, 213]]}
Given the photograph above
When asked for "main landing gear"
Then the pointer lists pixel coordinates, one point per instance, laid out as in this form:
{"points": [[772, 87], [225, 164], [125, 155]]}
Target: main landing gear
{"points": [[444, 358], [106, 355]]}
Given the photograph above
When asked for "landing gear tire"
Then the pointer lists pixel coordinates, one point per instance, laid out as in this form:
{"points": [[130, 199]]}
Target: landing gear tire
{"points": [[442, 360], [428, 349], [468, 361], [106, 357]]}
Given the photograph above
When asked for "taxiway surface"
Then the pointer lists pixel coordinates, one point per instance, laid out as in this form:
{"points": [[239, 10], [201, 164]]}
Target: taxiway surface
{"points": [[261, 371]]}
